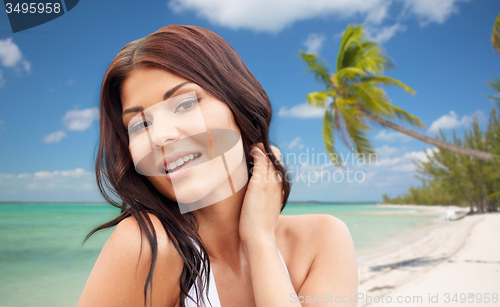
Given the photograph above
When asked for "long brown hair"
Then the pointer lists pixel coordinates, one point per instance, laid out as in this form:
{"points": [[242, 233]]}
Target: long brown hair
{"points": [[204, 58]]}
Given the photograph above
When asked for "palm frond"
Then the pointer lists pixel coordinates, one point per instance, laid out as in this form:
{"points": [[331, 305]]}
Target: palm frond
{"points": [[355, 126], [329, 136], [370, 97], [403, 115], [388, 81], [348, 73], [339, 125], [358, 51], [372, 58], [495, 36], [351, 34], [317, 67], [318, 99]]}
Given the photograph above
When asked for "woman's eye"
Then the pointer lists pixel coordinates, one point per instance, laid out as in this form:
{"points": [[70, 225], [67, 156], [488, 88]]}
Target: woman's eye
{"points": [[186, 104], [139, 125]]}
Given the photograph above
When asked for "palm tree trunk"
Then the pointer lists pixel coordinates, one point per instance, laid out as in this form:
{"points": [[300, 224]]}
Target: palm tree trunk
{"points": [[471, 208], [441, 144]]}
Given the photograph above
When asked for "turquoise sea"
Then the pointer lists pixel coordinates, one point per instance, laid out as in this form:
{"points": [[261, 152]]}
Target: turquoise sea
{"points": [[43, 262]]}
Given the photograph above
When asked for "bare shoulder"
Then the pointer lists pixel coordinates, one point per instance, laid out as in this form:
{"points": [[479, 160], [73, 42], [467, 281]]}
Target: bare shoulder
{"points": [[120, 272], [317, 247], [314, 227]]}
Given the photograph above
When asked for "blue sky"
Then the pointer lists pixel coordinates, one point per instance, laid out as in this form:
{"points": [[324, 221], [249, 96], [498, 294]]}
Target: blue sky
{"points": [[50, 79]]}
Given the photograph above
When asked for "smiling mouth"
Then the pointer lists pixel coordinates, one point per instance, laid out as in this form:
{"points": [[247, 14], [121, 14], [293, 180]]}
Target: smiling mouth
{"points": [[181, 162]]}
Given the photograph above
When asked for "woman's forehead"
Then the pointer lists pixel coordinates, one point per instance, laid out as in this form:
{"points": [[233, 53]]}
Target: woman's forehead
{"points": [[146, 86]]}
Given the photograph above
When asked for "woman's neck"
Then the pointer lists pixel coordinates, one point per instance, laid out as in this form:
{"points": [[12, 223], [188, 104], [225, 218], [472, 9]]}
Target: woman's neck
{"points": [[219, 227]]}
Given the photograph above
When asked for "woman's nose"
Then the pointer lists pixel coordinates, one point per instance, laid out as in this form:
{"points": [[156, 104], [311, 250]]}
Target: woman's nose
{"points": [[163, 134]]}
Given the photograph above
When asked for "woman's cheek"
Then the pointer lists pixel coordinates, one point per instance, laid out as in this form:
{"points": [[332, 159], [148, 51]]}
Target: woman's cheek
{"points": [[217, 115]]}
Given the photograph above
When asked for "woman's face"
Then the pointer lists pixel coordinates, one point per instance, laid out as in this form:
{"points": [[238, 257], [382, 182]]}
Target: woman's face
{"points": [[180, 142]]}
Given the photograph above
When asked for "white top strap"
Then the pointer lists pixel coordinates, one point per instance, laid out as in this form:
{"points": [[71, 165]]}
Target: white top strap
{"points": [[213, 295]]}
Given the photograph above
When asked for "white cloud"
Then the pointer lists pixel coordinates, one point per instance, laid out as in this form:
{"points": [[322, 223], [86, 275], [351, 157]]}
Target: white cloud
{"points": [[275, 15], [314, 42], [451, 121], [11, 57], [54, 137], [388, 161], [78, 172], [405, 163], [45, 181], [386, 150], [408, 167], [392, 136], [408, 158], [301, 111], [382, 35], [428, 11], [421, 155], [80, 120], [296, 143], [76, 120], [77, 180], [26, 65], [377, 14]]}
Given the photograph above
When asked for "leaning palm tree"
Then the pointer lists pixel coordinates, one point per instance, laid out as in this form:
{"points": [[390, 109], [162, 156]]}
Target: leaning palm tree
{"points": [[353, 97]]}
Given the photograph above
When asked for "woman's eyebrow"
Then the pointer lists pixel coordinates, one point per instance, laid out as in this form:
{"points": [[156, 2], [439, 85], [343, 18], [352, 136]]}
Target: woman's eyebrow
{"points": [[169, 93], [132, 110]]}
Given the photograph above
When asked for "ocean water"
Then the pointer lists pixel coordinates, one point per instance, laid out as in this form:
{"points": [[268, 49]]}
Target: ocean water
{"points": [[43, 262]]}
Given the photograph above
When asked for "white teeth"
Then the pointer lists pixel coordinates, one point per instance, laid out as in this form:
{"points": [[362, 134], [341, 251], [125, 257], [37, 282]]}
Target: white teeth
{"points": [[181, 161]]}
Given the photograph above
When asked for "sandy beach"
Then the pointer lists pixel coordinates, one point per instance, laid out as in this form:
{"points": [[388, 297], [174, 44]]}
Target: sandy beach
{"points": [[447, 263]]}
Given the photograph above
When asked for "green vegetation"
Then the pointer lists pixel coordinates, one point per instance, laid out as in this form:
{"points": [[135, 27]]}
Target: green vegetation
{"points": [[353, 97], [495, 86], [449, 178]]}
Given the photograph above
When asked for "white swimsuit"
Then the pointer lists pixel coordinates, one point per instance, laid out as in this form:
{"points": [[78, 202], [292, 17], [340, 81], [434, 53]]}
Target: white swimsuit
{"points": [[212, 291]]}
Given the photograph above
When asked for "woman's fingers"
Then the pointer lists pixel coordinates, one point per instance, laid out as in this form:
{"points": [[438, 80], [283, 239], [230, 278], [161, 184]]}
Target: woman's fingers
{"points": [[276, 152], [259, 167], [263, 164]]}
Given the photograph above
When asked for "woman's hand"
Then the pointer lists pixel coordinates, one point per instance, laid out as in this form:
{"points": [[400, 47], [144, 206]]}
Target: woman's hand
{"points": [[263, 198]]}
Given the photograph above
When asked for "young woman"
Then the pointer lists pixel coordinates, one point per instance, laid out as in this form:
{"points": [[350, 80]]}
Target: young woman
{"points": [[238, 251]]}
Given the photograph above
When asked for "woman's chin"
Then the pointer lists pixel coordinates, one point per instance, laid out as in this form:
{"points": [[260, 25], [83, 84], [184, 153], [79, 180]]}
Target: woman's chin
{"points": [[190, 197]]}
